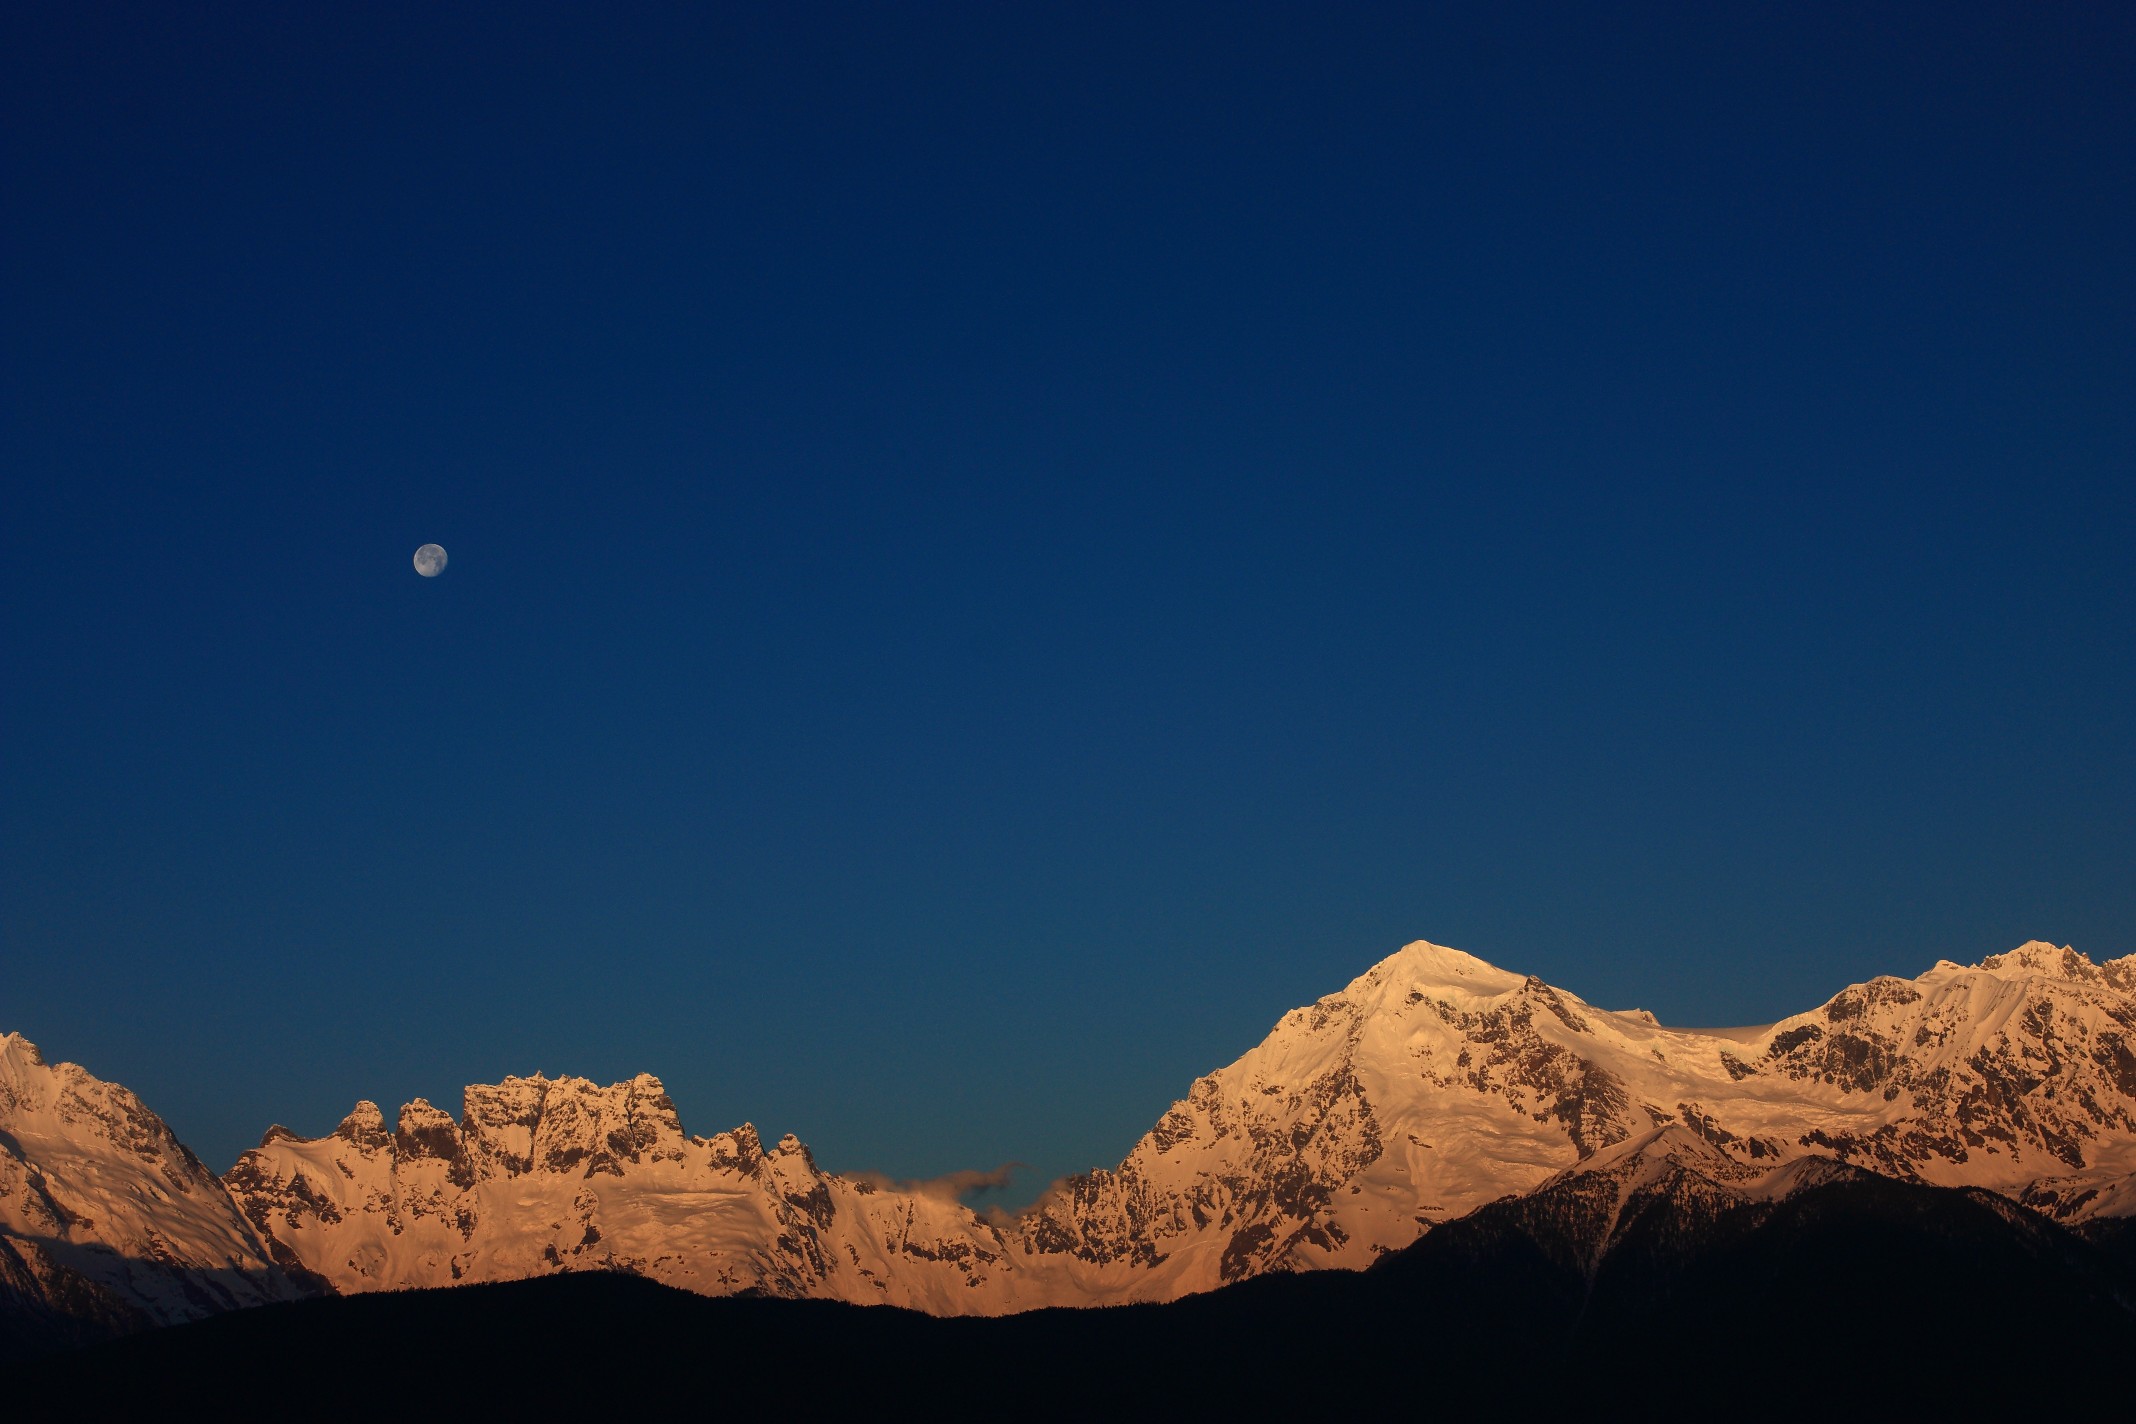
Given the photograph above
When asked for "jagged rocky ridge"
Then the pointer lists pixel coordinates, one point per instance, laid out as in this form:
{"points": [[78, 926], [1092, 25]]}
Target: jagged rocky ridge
{"points": [[1430, 1086], [554, 1174]]}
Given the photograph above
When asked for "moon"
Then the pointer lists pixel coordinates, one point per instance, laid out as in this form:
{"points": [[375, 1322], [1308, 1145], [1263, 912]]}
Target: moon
{"points": [[430, 561]]}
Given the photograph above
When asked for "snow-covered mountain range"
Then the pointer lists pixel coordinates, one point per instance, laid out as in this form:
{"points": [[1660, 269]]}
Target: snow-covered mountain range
{"points": [[1431, 1085]]}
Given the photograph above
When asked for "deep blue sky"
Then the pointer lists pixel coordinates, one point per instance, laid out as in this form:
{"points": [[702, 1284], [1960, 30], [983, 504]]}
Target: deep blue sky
{"points": [[997, 549]]}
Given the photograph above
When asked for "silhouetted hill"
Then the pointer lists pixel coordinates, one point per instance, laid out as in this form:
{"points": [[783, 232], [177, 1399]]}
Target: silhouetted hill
{"points": [[1849, 1295]]}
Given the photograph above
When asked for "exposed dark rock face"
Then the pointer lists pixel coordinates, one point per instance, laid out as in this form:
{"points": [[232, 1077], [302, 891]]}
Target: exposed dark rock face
{"points": [[364, 1128]]}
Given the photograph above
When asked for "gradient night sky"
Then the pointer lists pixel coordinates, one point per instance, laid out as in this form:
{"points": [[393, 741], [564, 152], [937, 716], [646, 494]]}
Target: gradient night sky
{"points": [[996, 550]]}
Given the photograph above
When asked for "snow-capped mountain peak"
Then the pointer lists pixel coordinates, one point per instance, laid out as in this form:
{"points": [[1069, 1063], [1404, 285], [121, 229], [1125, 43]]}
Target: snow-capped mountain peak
{"points": [[1425, 967], [106, 1218]]}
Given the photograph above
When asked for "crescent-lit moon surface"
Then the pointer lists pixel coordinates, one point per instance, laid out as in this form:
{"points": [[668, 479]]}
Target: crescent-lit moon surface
{"points": [[430, 560]]}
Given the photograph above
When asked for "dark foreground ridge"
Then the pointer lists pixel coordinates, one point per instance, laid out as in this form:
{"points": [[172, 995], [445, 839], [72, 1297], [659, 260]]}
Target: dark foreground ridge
{"points": [[1859, 1293]]}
